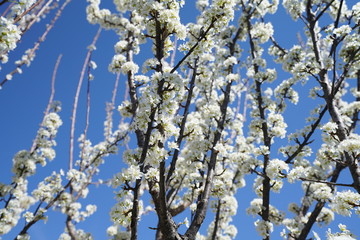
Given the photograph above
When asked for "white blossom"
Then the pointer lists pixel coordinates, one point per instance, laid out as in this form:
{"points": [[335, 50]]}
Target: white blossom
{"points": [[264, 228], [262, 31], [345, 202], [275, 168], [129, 67], [294, 7], [343, 235], [330, 127], [10, 35]]}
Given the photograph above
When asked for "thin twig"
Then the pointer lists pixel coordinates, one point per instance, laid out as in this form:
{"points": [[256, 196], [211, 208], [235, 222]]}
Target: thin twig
{"points": [[192, 49], [7, 9], [183, 123], [87, 116], [51, 98], [68, 184], [113, 98], [76, 99], [26, 11], [110, 108], [114, 93], [42, 10], [328, 183]]}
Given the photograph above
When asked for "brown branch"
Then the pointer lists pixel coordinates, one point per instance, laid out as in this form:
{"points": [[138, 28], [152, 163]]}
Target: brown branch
{"points": [[179, 209], [182, 125], [326, 182], [71, 228], [166, 224], [307, 140], [312, 219], [311, 26], [217, 220], [323, 80], [319, 205], [192, 49], [171, 196], [49, 205], [355, 117], [265, 213], [131, 87], [203, 201], [68, 184], [324, 10], [135, 210]]}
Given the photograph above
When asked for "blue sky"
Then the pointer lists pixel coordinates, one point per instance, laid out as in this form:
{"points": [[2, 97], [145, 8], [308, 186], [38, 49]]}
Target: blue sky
{"points": [[24, 100]]}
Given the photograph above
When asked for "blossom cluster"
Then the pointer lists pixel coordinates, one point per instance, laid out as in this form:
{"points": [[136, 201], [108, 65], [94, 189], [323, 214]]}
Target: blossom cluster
{"points": [[24, 165], [21, 15], [196, 124], [10, 35]]}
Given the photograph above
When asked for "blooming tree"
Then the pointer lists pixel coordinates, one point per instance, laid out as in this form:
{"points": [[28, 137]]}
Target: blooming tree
{"points": [[205, 114]]}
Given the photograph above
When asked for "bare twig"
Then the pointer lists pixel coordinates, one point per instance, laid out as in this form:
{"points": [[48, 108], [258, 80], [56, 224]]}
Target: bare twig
{"points": [[87, 116], [76, 98], [8, 8], [326, 182], [110, 108], [51, 98]]}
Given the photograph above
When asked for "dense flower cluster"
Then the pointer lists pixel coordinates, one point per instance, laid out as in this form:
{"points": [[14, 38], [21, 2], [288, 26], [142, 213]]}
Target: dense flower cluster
{"points": [[10, 35], [24, 165], [196, 124], [15, 22]]}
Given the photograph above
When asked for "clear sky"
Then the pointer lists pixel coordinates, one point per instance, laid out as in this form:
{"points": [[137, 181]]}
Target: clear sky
{"points": [[24, 99]]}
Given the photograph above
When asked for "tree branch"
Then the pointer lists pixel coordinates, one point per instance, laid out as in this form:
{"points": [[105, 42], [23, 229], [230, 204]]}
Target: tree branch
{"points": [[76, 98]]}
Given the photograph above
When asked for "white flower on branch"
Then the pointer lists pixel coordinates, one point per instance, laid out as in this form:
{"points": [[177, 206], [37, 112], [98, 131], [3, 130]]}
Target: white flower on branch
{"points": [[345, 202], [345, 234], [276, 168], [264, 228], [10, 35]]}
